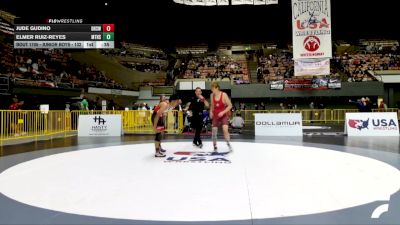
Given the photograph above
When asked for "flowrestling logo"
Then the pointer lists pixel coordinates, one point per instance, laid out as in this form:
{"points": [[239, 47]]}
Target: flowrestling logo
{"points": [[377, 124], [198, 157]]}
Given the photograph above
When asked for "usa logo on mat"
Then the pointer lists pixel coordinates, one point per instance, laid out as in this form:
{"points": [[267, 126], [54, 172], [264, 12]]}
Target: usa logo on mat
{"points": [[198, 157]]}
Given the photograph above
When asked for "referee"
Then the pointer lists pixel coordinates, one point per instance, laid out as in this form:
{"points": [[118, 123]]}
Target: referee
{"points": [[197, 105]]}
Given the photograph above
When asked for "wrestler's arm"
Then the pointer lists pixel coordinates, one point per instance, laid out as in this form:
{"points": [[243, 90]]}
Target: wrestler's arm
{"points": [[228, 103], [211, 106], [163, 108]]}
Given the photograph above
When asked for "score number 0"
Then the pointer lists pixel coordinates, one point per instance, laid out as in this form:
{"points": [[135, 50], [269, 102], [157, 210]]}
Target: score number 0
{"points": [[108, 27]]}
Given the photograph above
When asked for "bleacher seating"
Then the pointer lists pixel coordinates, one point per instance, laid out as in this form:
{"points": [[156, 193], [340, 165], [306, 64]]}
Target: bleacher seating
{"points": [[357, 66], [50, 68], [218, 68], [276, 66]]}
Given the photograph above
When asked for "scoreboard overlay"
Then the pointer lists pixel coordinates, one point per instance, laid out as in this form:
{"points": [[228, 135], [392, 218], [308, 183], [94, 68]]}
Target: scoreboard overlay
{"points": [[73, 36]]}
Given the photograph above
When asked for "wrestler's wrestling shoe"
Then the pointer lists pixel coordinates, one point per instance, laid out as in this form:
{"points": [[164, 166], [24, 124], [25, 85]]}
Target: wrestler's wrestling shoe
{"points": [[229, 147], [198, 145], [159, 154]]}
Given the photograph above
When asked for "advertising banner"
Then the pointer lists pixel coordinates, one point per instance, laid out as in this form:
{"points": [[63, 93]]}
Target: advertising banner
{"points": [[322, 83], [278, 124], [99, 125], [211, 2], [372, 124], [277, 85], [311, 20], [223, 2], [312, 67], [334, 83], [306, 84]]}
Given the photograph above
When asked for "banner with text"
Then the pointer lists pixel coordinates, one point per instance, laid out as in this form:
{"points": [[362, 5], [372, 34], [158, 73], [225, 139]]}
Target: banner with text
{"points": [[211, 2], [239, 2], [222, 2], [323, 83], [225, 2], [334, 83], [372, 124], [278, 124], [99, 125], [314, 67], [306, 84], [277, 84], [311, 20]]}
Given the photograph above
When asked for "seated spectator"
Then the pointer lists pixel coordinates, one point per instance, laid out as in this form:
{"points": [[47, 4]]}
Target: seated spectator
{"points": [[237, 123], [214, 67], [47, 68]]}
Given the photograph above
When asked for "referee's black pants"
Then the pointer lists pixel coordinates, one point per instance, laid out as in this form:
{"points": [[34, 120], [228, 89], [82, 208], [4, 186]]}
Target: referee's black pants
{"points": [[197, 125]]}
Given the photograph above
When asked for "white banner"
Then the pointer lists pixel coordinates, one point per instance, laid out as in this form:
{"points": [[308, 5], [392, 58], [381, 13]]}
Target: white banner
{"points": [[223, 2], [312, 67], [200, 84], [199, 2], [112, 92], [226, 2], [99, 125], [242, 2], [270, 2], [237, 2], [260, 2], [372, 124], [185, 85], [189, 2], [311, 20], [278, 124], [211, 2]]}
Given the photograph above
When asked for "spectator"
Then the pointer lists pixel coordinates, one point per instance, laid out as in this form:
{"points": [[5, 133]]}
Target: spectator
{"points": [[111, 105], [237, 123], [368, 105], [382, 106], [311, 105], [48, 68], [256, 107], [242, 106], [84, 104], [361, 104], [260, 74], [262, 106], [143, 106], [15, 105]]}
